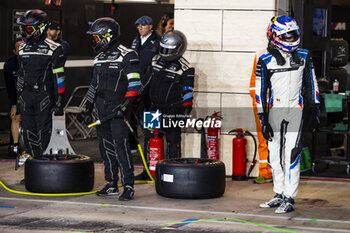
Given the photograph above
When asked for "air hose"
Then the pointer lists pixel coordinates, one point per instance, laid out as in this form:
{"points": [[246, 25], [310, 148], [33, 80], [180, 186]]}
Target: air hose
{"points": [[151, 181]]}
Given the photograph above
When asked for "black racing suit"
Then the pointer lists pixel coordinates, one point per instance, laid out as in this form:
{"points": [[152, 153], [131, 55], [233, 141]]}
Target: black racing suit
{"points": [[171, 91], [40, 87], [115, 79]]}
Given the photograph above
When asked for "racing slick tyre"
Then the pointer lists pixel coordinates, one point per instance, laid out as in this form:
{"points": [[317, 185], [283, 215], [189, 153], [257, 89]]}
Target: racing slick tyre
{"points": [[191, 178], [59, 174]]}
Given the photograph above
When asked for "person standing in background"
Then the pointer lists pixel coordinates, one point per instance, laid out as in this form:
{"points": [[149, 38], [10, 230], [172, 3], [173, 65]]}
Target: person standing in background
{"points": [[54, 33], [146, 44], [10, 74], [166, 23]]}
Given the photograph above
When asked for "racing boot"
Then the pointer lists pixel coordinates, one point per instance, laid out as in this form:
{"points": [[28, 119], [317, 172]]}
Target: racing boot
{"points": [[21, 159], [286, 206], [128, 193], [277, 200], [110, 189]]}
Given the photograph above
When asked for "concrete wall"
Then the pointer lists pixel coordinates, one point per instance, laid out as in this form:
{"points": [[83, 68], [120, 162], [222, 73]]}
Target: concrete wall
{"points": [[223, 36]]}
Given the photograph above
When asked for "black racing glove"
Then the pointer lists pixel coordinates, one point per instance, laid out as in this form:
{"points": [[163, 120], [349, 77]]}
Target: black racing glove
{"points": [[266, 127], [88, 113], [58, 109], [187, 110], [120, 110]]}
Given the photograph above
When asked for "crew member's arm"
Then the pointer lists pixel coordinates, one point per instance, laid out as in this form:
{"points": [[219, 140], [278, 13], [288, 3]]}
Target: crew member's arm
{"points": [[90, 98], [59, 78], [261, 87], [91, 94], [20, 78], [262, 84], [311, 93], [252, 80], [131, 68], [187, 83]]}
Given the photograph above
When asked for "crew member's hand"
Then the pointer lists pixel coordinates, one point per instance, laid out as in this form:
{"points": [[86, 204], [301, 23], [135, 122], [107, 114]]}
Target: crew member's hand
{"points": [[118, 113], [88, 113], [120, 110], [59, 105], [188, 110], [58, 110]]}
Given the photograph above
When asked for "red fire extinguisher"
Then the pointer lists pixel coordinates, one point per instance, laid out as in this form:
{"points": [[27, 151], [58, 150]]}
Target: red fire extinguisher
{"points": [[213, 138], [239, 156], [155, 152]]}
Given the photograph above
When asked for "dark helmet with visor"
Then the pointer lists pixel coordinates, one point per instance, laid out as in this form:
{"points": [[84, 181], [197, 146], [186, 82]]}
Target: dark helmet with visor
{"points": [[172, 45], [103, 31], [33, 24]]}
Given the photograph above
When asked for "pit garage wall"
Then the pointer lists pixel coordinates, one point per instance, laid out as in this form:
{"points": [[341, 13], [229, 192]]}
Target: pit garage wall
{"points": [[223, 36]]}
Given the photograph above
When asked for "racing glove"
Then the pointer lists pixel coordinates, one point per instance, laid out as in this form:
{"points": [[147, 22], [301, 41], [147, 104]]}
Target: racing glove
{"points": [[120, 110], [187, 110], [266, 127], [88, 113], [58, 109]]}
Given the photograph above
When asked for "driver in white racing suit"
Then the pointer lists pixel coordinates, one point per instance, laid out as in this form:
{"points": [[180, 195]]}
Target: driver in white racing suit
{"points": [[285, 83]]}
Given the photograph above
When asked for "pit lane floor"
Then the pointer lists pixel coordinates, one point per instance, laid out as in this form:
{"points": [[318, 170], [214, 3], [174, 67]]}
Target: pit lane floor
{"points": [[321, 206]]}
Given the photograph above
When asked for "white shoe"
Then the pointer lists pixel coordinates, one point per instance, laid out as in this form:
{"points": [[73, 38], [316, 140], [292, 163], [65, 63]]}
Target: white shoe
{"points": [[286, 207], [277, 200]]}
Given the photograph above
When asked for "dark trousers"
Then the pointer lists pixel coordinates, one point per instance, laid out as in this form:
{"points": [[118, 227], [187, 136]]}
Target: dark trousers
{"points": [[115, 150], [36, 109]]}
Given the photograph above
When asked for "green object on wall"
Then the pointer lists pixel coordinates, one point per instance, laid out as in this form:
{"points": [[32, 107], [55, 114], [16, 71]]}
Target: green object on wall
{"points": [[333, 103]]}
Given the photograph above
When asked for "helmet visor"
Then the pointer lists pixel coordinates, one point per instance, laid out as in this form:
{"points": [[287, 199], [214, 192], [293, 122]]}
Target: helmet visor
{"points": [[291, 36], [28, 29], [166, 51], [96, 39]]}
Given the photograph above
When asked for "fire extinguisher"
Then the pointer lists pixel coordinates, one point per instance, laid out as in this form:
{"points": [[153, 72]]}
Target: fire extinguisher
{"points": [[239, 156], [213, 138], [156, 153]]}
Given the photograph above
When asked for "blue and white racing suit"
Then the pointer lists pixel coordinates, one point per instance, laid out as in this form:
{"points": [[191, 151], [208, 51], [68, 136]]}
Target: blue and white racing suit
{"points": [[281, 93]]}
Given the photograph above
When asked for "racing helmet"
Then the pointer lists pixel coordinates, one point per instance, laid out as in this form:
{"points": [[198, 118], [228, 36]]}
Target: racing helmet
{"points": [[283, 32], [172, 45], [33, 24], [103, 31]]}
